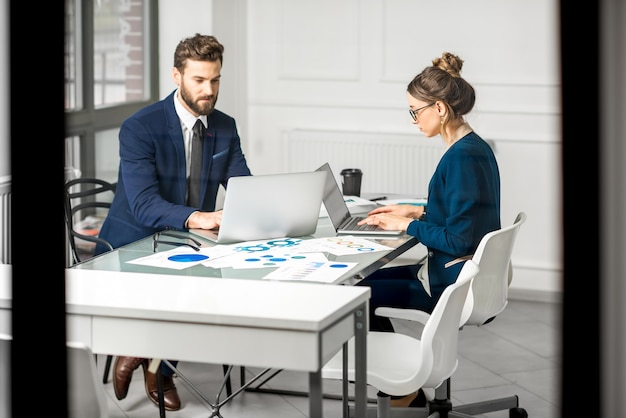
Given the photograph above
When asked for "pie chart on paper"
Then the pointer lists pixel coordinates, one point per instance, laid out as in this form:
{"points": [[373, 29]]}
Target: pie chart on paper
{"points": [[187, 258]]}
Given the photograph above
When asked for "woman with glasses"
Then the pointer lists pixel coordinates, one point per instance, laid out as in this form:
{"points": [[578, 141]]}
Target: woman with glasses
{"points": [[463, 199]]}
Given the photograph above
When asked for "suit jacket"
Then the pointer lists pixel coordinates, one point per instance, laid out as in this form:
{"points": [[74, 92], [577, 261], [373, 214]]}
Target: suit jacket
{"points": [[152, 181]]}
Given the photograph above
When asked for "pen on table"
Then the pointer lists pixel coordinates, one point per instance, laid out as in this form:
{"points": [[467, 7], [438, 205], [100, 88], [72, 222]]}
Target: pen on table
{"points": [[378, 198]]}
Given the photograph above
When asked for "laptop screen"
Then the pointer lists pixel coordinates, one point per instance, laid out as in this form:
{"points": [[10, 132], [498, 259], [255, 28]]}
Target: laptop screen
{"points": [[333, 198], [269, 206]]}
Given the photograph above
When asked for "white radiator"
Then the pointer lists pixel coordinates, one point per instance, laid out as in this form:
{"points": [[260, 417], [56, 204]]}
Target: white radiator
{"points": [[5, 221], [391, 163]]}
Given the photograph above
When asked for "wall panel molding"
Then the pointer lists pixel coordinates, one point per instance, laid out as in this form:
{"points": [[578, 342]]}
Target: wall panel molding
{"points": [[308, 53]]}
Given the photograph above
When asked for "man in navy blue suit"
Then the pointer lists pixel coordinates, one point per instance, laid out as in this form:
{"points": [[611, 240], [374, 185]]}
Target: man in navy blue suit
{"points": [[155, 157]]}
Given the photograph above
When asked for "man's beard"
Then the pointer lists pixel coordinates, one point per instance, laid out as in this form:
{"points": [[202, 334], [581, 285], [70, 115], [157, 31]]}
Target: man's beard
{"points": [[203, 108]]}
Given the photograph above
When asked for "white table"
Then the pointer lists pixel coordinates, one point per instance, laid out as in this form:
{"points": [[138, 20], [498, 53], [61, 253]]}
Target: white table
{"points": [[257, 323]]}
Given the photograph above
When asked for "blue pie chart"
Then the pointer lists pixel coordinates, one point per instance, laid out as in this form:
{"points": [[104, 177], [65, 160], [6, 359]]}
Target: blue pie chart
{"points": [[187, 258]]}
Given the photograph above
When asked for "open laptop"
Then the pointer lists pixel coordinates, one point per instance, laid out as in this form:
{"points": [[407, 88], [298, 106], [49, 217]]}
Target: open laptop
{"points": [[339, 214], [269, 206]]}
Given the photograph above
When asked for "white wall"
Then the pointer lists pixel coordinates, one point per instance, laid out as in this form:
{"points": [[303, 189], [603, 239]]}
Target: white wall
{"points": [[178, 20], [228, 26]]}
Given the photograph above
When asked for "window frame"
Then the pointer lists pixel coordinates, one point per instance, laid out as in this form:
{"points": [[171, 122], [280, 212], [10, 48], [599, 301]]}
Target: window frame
{"points": [[85, 122]]}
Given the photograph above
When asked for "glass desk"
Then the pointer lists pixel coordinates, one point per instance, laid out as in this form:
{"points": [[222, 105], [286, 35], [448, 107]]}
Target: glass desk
{"points": [[117, 260]]}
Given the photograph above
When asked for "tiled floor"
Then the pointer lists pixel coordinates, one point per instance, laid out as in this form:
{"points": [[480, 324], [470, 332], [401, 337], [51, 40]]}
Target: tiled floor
{"points": [[518, 353]]}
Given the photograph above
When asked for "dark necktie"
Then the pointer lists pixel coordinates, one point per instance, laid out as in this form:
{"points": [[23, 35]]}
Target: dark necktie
{"points": [[196, 164]]}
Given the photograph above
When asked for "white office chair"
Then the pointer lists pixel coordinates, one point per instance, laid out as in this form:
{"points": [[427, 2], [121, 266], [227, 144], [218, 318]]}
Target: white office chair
{"points": [[487, 297], [489, 294], [398, 364]]}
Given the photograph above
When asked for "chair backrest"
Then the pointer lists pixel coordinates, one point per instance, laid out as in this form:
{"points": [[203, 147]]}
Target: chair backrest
{"points": [[489, 293], [87, 201], [441, 332]]}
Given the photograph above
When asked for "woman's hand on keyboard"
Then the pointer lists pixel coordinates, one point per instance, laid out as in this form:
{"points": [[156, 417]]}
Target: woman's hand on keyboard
{"points": [[387, 221]]}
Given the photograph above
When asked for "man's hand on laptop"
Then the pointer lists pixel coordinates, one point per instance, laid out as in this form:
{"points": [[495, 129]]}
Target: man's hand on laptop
{"points": [[204, 220]]}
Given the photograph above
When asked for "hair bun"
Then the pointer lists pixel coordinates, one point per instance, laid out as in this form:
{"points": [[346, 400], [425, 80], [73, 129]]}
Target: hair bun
{"points": [[450, 63]]}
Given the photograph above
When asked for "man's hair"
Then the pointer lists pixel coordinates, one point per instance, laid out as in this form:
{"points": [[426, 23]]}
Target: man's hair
{"points": [[198, 48]]}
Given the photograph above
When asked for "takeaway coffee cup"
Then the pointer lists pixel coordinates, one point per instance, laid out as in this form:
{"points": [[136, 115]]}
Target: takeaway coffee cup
{"points": [[351, 181]]}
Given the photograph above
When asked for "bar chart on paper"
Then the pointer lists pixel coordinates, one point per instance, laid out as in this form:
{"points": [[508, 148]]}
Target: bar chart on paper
{"points": [[316, 271]]}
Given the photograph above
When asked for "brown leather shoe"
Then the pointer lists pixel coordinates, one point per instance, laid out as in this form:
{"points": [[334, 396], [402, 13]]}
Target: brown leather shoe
{"points": [[123, 372], [170, 394], [414, 400]]}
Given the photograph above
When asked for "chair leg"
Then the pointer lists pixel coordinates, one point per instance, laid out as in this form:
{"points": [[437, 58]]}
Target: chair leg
{"points": [[510, 403], [383, 405], [107, 368]]}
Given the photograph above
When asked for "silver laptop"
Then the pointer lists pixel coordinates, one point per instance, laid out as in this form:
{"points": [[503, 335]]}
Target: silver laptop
{"points": [[269, 206], [339, 214]]}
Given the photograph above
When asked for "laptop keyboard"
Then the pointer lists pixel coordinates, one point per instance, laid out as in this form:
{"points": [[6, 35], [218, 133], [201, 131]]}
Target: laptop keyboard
{"points": [[352, 225]]}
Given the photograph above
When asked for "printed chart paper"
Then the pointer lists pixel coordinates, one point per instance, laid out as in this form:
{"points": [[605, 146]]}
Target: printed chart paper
{"points": [[314, 271]]}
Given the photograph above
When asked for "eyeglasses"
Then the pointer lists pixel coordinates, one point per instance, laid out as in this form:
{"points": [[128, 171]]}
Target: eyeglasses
{"points": [[415, 113], [156, 241]]}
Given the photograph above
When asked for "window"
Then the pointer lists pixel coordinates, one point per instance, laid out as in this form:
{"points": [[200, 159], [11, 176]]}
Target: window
{"points": [[109, 74]]}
